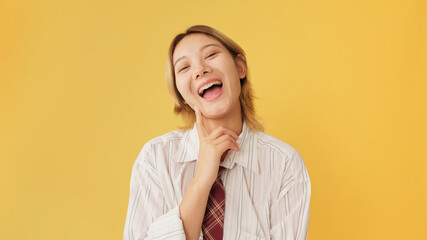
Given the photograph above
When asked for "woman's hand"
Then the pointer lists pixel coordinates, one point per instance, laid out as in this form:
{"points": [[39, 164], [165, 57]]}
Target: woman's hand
{"points": [[212, 147]]}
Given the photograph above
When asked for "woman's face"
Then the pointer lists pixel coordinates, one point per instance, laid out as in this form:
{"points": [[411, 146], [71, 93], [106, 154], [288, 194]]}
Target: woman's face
{"points": [[207, 76]]}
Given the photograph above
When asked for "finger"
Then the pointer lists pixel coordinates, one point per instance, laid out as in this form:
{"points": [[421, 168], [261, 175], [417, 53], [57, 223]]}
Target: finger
{"points": [[201, 130], [227, 139], [219, 131], [228, 144]]}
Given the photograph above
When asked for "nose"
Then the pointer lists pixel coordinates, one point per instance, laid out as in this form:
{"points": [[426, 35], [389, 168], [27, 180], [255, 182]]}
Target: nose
{"points": [[200, 69]]}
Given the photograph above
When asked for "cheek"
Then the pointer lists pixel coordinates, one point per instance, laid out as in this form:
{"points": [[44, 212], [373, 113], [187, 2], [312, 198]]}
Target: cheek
{"points": [[232, 70], [183, 88], [234, 78], [178, 86], [238, 89]]}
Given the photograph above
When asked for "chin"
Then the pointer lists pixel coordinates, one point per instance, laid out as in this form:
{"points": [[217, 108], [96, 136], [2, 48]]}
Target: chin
{"points": [[218, 110], [215, 114], [215, 110]]}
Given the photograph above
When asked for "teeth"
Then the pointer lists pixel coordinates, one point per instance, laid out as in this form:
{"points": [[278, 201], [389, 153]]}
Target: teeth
{"points": [[208, 86]]}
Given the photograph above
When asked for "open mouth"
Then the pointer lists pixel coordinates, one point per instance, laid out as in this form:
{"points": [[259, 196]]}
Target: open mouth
{"points": [[210, 90]]}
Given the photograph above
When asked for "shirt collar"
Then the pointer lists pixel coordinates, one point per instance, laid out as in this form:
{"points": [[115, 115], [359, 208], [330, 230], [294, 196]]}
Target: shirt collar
{"points": [[188, 149]]}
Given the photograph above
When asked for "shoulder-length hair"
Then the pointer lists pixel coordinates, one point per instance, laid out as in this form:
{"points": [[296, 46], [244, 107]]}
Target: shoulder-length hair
{"points": [[246, 95]]}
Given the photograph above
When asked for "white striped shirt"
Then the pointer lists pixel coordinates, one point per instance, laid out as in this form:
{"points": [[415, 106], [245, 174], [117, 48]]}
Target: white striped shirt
{"points": [[266, 183]]}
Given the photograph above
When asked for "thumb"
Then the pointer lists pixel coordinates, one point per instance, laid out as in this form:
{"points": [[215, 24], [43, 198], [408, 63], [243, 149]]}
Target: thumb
{"points": [[201, 130]]}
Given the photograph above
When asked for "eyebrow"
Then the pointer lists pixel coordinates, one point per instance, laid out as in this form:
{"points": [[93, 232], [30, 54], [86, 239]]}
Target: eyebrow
{"points": [[207, 45]]}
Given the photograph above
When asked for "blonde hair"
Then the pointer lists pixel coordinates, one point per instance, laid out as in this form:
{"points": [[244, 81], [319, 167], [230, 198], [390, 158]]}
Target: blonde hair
{"points": [[246, 94]]}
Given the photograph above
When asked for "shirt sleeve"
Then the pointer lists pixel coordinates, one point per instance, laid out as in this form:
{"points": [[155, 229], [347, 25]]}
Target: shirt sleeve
{"points": [[147, 214], [291, 210]]}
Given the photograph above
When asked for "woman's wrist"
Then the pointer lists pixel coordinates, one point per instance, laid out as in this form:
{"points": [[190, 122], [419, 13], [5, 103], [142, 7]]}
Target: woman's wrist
{"points": [[192, 207], [203, 181]]}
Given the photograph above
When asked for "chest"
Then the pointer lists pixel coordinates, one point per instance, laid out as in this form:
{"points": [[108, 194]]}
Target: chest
{"points": [[247, 199]]}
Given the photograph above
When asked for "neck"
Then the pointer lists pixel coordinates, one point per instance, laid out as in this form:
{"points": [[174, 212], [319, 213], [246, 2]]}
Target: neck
{"points": [[233, 122]]}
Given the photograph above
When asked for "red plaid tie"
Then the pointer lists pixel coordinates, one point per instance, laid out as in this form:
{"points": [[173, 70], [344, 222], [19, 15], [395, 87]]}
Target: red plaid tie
{"points": [[213, 223]]}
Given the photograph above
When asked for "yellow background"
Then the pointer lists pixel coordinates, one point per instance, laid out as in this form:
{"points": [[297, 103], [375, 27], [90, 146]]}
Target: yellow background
{"points": [[82, 89]]}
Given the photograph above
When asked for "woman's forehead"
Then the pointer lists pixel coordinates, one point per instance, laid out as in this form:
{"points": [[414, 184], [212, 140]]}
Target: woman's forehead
{"points": [[194, 43]]}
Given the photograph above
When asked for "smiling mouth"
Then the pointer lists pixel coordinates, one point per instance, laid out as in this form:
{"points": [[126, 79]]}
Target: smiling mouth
{"points": [[210, 90]]}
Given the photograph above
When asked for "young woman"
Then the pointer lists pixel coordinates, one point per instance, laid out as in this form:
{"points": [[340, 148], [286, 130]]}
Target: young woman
{"points": [[222, 177]]}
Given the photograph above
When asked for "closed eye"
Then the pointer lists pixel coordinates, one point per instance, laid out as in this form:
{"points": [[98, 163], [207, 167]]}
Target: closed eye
{"points": [[211, 54], [183, 68]]}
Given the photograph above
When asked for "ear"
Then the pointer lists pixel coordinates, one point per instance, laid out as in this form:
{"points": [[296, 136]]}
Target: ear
{"points": [[240, 61]]}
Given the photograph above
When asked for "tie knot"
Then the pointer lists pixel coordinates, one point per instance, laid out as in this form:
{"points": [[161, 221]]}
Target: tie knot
{"points": [[220, 171]]}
